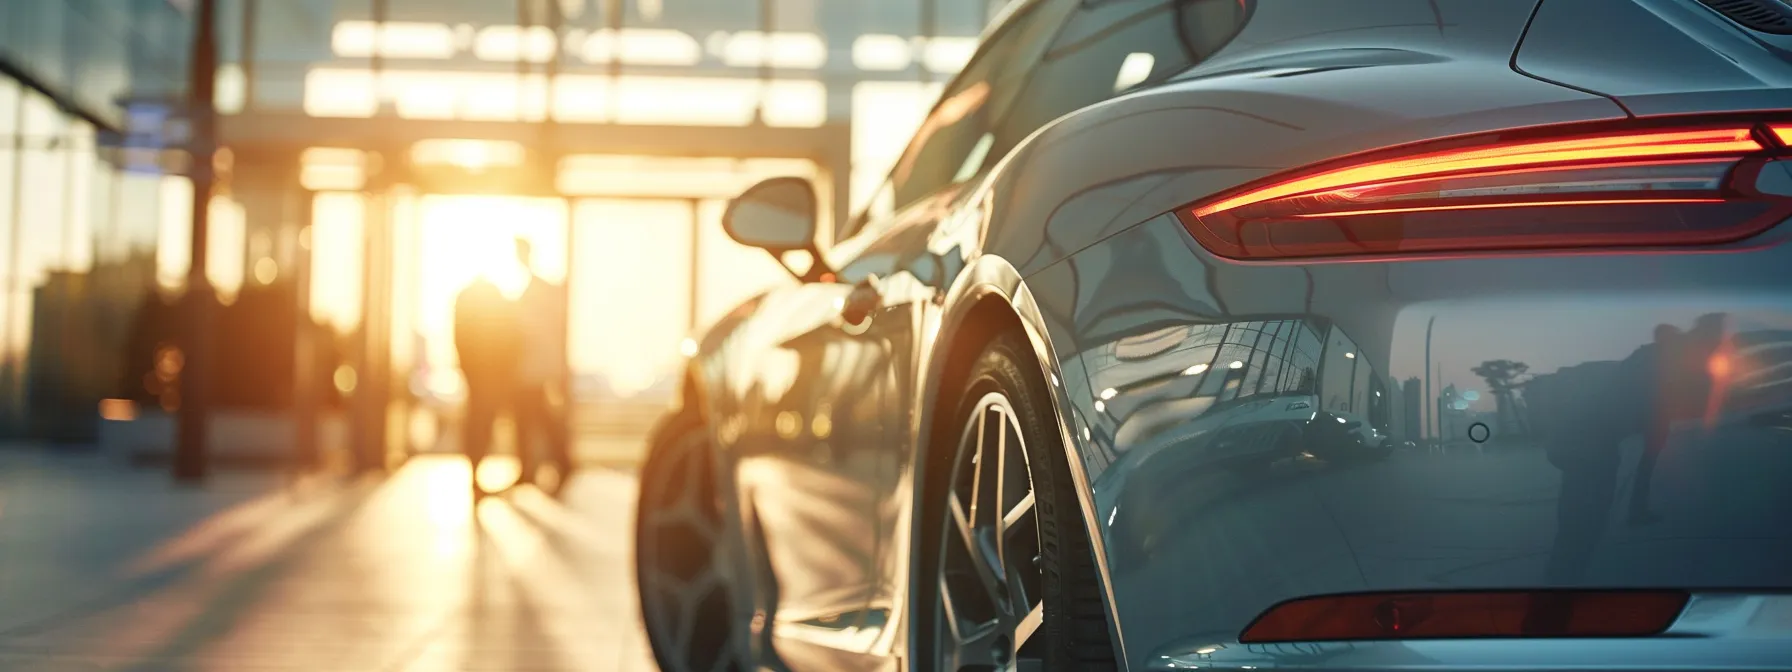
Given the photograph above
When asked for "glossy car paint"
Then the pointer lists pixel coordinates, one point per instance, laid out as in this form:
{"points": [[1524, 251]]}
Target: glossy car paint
{"points": [[1205, 516]]}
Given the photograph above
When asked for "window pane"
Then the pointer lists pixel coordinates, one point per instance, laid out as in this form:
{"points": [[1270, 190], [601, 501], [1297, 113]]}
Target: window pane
{"points": [[42, 206], [10, 399], [81, 160], [9, 128], [174, 230], [106, 243], [139, 222]]}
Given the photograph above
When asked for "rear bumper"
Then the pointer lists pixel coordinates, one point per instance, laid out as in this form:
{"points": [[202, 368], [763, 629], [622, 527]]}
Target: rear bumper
{"points": [[1717, 632]]}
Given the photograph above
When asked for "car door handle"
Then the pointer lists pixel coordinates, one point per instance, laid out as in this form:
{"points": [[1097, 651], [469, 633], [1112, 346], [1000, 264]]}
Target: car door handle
{"points": [[864, 299]]}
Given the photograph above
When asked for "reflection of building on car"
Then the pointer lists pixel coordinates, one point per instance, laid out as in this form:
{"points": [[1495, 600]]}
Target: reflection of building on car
{"points": [[1221, 407], [1248, 392]]}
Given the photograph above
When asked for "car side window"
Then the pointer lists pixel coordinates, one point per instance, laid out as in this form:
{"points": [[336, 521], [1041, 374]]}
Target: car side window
{"points": [[1109, 47], [956, 136]]}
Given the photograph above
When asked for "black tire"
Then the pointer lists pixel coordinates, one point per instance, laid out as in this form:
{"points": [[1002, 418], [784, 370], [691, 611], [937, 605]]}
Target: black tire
{"points": [[686, 605], [1073, 633]]}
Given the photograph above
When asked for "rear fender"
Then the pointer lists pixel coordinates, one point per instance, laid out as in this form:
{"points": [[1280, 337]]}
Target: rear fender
{"points": [[990, 282]]}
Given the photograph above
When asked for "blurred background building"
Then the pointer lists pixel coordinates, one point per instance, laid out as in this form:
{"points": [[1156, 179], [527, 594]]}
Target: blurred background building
{"points": [[378, 155]]}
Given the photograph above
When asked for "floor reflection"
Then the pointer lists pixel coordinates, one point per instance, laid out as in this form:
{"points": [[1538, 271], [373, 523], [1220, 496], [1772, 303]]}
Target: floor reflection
{"points": [[399, 574]]}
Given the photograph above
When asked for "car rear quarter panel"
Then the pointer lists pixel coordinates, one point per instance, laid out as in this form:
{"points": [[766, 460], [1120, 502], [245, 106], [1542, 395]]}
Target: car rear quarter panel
{"points": [[1290, 90], [1197, 538]]}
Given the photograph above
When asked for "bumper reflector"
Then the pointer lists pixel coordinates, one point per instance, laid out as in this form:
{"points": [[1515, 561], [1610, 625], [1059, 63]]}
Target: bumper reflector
{"points": [[1462, 615]]}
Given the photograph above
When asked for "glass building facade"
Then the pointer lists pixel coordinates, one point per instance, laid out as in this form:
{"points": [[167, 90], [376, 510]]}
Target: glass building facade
{"points": [[81, 237], [94, 241], [874, 66]]}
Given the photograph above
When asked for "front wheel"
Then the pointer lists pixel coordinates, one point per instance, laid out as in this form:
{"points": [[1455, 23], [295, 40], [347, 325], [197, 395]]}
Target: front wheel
{"points": [[1014, 583], [686, 603]]}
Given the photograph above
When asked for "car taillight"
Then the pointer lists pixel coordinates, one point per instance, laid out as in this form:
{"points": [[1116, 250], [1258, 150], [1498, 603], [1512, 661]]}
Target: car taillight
{"points": [[1458, 615], [1659, 186]]}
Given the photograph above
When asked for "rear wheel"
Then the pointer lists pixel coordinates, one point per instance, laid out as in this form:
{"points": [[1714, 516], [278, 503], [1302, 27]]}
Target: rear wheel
{"points": [[685, 599], [1015, 584]]}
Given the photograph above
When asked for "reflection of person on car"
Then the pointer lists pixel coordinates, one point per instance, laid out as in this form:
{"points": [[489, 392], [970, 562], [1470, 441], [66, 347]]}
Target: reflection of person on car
{"points": [[1685, 388], [1604, 403]]}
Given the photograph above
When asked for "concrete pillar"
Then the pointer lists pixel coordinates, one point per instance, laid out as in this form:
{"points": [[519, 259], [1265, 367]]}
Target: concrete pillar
{"points": [[371, 401], [276, 209], [309, 381]]}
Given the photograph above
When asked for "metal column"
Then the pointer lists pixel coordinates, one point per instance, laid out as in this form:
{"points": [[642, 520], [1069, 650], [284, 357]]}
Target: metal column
{"points": [[190, 458], [569, 405], [372, 393], [696, 265], [307, 388]]}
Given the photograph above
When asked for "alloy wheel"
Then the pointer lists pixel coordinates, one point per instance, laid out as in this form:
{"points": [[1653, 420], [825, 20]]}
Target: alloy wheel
{"points": [[684, 592], [991, 576]]}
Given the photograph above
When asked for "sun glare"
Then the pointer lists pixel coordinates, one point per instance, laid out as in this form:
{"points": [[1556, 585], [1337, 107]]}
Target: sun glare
{"points": [[465, 238]]}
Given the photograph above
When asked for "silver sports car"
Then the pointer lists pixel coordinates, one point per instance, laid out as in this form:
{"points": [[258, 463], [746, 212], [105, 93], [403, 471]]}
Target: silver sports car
{"points": [[1263, 334]]}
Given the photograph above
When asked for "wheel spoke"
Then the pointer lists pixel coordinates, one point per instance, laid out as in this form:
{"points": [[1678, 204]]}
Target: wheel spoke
{"points": [[978, 547], [991, 509], [961, 527], [1010, 519], [985, 502], [1025, 575], [949, 614], [1029, 624]]}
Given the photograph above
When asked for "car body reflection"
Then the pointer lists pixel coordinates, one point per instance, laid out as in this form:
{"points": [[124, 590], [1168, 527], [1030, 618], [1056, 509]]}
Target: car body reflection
{"points": [[1213, 407]]}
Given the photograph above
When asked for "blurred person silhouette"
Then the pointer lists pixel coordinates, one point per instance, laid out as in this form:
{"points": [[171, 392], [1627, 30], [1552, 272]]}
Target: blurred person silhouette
{"points": [[487, 337], [1599, 405], [540, 412], [1686, 384]]}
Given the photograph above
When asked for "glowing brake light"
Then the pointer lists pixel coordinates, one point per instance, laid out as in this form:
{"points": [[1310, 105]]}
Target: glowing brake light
{"points": [[1782, 133], [1457, 615], [1673, 186]]}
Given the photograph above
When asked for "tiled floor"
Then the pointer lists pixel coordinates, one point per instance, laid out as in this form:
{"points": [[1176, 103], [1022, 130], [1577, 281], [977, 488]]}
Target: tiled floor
{"points": [[108, 569]]}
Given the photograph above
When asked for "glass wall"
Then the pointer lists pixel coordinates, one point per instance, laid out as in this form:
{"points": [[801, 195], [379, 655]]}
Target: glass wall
{"points": [[790, 63], [77, 254], [79, 237], [95, 52]]}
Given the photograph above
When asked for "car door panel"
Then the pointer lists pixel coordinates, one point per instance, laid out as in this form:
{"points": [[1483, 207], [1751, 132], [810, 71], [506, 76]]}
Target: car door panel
{"points": [[791, 441]]}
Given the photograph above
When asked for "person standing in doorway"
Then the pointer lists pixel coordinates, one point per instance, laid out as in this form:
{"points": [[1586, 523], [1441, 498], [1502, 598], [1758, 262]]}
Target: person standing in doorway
{"points": [[541, 411], [487, 337]]}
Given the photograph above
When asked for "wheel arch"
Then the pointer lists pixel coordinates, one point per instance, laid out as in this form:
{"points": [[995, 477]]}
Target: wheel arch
{"points": [[991, 298]]}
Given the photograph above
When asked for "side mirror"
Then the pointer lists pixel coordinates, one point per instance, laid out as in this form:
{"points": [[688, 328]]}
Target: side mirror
{"points": [[779, 216]]}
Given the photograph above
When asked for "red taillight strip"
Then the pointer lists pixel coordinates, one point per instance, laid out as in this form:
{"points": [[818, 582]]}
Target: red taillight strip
{"points": [[1520, 204], [1460, 615], [1782, 133], [1661, 144]]}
